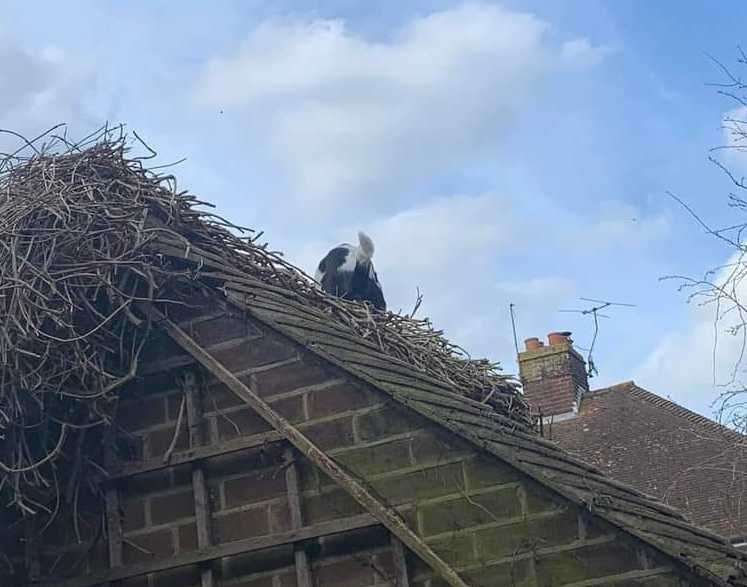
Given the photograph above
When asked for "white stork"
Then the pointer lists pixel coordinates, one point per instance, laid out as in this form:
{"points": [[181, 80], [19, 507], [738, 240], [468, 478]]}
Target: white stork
{"points": [[348, 272]]}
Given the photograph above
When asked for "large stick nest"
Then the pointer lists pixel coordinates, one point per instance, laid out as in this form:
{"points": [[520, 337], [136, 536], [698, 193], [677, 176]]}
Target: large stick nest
{"points": [[78, 231]]}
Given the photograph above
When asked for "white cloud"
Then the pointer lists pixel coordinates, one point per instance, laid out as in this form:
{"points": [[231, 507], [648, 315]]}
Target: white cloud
{"points": [[616, 224], [734, 133], [447, 232], [346, 115], [581, 53], [452, 249], [41, 88]]}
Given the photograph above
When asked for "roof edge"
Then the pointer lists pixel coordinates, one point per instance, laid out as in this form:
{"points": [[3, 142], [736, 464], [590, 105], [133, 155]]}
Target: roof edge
{"points": [[696, 568], [632, 388]]}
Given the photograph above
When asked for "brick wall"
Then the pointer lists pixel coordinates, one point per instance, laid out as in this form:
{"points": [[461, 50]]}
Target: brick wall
{"points": [[552, 377], [496, 526]]}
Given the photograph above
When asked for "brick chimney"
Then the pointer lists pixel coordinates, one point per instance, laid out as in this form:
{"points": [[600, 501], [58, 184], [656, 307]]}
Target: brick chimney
{"points": [[553, 375]]}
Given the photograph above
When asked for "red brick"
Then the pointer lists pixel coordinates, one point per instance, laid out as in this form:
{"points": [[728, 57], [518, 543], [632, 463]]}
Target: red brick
{"points": [[517, 572], [129, 447], [180, 577], [339, 398], [236, 464], [247, 421], [329, 506], [199, 303], [167, 508], [279, 517], [354, 541], [133, 514], [434, 445], [345, 573], [243, 524], [253, 565], [259, 486], [148, 483], [484, 472], [160, 348], [141, 413], [222, 328], [386, 421], [254, 353], [288, 580], [381, 458], [586, 562], [464, 512], [266, 581], [173, 403], [158, 441], [290, 377], [291, 408], [98, 557], [219, 397], [416, 486], [159, 544], [335, 433], [187, 537]]}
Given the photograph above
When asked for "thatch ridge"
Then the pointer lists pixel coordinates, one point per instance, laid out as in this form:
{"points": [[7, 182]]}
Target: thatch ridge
{"points": [[82, 233]]}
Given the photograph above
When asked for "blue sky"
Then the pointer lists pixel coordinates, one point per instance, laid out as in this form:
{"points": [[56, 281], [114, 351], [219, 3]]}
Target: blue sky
{"points": [[515, 152]]}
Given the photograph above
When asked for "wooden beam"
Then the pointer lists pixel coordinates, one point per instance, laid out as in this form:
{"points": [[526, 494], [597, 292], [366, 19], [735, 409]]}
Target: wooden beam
{"points": [[224, 550], [387, 516], [400, 563], [113, 516], [31, 551], [114, 527], [199, 486], [194, 454], [303, 571]]}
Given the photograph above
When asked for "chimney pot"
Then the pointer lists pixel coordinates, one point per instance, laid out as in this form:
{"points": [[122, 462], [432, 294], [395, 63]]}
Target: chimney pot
{"points": [[533, 343], [554, 380], [559, 338]]}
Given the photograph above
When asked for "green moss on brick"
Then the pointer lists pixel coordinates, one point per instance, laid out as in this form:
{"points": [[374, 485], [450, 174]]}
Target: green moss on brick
{"points": [[482, 472], [465, 512], [538, 499], [425, 483], [381, 458], [586, 562], [526, 535], [457, 549], [329, 506], [386, 421], [516, 573]]}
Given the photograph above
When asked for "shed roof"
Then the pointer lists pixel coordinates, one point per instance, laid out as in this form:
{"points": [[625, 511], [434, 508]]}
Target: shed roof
{"points": [[162, 244]]}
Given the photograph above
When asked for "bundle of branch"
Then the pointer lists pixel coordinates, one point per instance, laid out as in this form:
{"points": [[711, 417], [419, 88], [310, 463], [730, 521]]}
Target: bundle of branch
{"points": [[82, 231]]}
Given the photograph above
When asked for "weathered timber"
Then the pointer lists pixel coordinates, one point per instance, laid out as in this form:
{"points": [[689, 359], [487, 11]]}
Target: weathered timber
{"points": [[199, 486], [303, 571], [224, 550], [200, 453], [401, 575], [388, 517]]}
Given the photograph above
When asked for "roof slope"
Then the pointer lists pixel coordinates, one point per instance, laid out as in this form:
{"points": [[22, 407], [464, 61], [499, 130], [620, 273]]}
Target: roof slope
{"points": [[162, 244], [661, 448], [629, 509]]}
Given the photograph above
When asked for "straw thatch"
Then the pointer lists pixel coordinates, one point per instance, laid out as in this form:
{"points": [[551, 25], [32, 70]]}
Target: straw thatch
{"points": [[80, 227]]}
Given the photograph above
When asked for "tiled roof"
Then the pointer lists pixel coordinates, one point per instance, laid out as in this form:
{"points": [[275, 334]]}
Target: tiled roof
{"points": [[688, 461]]}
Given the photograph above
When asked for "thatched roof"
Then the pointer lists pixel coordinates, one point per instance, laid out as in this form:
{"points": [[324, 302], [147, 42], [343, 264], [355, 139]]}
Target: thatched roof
{"points": [[86, 233]]}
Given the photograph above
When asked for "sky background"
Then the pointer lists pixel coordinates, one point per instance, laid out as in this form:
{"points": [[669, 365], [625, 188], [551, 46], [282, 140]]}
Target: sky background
{"points": [[516, 152]]}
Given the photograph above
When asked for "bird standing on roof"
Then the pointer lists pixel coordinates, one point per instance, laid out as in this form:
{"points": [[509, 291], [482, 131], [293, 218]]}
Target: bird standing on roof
{"points": [[347, 271]]}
